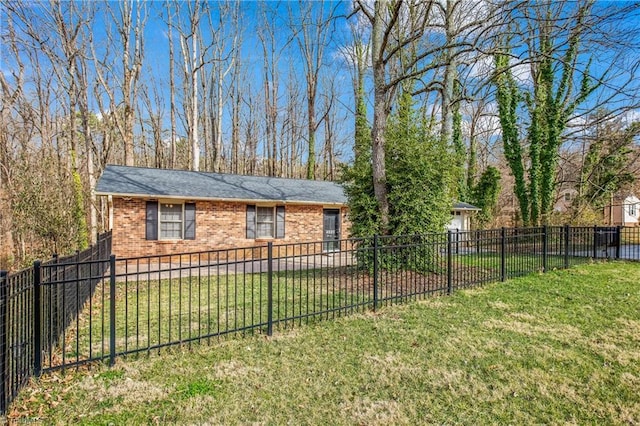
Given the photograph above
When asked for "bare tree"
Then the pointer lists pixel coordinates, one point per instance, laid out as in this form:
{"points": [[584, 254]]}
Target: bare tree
{"points": [[225, 46], [129, 21], [192, 61], [49, 134], [312, 25], [172, 86], [387, 44]]}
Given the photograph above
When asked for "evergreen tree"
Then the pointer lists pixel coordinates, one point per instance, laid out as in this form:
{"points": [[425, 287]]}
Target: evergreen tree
{"points": [[419, 175]]}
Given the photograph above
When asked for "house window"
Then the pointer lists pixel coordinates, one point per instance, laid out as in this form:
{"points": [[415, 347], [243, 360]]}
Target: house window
{"points": [[265, 222], [632, 209], [170, 221], [567, 196]]}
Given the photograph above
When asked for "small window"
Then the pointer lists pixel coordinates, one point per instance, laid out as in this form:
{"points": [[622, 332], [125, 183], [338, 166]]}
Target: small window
{"points": [[265, 222], [170, 221], [632, 209], [567, 196]]}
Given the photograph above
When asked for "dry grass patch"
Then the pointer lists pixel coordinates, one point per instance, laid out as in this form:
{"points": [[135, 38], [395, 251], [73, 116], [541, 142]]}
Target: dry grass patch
{"points": [[234, 370], [560, 332], [500, 305], [364, 411]]}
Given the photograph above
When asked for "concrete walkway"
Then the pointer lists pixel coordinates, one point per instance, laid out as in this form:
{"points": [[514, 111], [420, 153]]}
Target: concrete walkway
{"points": [[154, 271]]}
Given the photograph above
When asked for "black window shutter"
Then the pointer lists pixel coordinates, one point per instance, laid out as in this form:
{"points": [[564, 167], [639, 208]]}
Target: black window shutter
{"points": [[190, 221], [280, 222], [152, 220], [251, 222]]}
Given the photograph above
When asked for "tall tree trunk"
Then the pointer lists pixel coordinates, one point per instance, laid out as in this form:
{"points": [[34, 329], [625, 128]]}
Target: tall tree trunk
{"points": [[172, 91], [311, 123], [195, 136], [380, 114]]}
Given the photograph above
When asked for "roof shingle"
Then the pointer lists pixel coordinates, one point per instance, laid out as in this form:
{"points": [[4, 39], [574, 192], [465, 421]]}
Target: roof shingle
{"points": [[157, 183]]}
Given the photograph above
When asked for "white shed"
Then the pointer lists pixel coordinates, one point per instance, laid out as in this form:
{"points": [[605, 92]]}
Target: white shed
{"points": [[461, 217]]}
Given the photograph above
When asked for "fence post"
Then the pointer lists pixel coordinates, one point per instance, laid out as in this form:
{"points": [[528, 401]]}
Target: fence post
{"points": [[567, 229], [4, 354], [503, 254], [545, 248], [375, 272], [54, 301], [269, 288], [37, 306], [595, 242], [449, 262], [112, 310], [618, 241]]}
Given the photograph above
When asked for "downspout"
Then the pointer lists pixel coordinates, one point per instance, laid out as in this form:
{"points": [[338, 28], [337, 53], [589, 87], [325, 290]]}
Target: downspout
{"points": [[110, 209]]}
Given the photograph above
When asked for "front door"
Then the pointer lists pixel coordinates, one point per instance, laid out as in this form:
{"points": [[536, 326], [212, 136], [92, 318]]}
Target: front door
{"points": [[331, 231]]}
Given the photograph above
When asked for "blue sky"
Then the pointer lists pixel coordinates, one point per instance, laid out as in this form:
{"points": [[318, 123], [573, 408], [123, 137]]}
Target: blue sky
{"points": [[290, 65]]}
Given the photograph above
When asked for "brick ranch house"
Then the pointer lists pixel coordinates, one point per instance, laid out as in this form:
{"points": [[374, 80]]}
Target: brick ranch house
{"points": [[161, 211]]}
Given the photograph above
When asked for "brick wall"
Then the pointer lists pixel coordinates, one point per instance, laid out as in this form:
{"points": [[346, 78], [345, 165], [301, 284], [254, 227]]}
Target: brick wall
{"points": [[219, 225]]}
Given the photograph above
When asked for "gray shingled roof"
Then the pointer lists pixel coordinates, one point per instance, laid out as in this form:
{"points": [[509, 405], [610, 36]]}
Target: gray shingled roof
{"points": [[158, 183], [465, 206]]}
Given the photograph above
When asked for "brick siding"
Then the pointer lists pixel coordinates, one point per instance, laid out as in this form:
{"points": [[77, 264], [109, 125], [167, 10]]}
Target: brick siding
{"points": [[219, 225]]}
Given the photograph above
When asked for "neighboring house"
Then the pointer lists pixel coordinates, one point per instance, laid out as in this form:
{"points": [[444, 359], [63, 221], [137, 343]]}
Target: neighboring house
{"points": [[623, 210], [161, 211], [461, 217], [565, 199]]}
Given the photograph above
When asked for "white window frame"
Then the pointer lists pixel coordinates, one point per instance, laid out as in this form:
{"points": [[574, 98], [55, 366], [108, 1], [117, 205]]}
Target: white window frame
{"points": [[273, 221], [632, 209], [160, 221]]}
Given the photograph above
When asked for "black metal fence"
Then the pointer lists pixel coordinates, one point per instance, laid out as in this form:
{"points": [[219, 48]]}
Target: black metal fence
{"points": [[35, 314], [92, 307]]}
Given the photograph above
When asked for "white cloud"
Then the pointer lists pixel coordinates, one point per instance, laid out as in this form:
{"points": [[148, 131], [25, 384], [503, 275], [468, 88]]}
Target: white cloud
{"points": [[521, 72], [631, 116], [487, 122], [481, 66]]}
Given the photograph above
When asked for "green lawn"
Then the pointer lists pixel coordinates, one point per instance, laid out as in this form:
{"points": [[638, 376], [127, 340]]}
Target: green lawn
{"points": [[157, 312], [561, 347]]}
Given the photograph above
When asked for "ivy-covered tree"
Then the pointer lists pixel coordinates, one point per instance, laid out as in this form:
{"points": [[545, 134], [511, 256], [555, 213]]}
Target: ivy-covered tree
{"points": [[559, 84], [358, 178], [485, 193], [459, 148], [508, 98]]}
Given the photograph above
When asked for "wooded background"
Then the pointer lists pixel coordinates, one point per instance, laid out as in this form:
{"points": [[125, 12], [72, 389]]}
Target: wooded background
{"points": [[412, 104]]}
